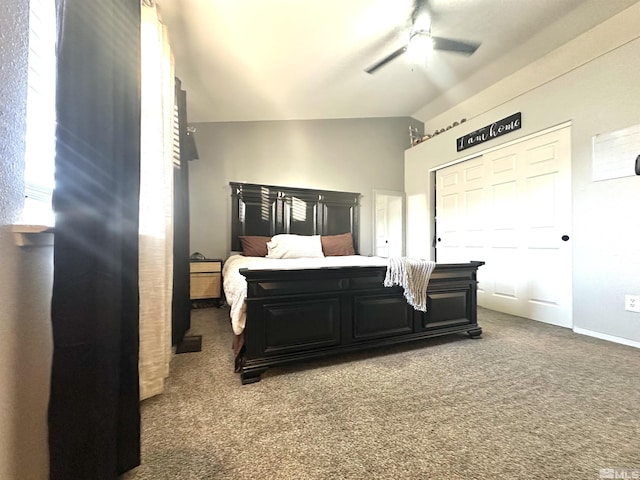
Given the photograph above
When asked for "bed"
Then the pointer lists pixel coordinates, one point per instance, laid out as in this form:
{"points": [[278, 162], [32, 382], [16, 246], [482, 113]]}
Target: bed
{"points": [[293, 312]]}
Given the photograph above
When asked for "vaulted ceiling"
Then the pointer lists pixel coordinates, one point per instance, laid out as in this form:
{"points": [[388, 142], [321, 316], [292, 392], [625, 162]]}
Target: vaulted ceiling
{"points": [[242, 60]]}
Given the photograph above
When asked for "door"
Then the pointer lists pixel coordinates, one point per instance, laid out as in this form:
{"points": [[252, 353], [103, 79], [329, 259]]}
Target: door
{"points": [[511, 208], [388, 225], [460, 210]]}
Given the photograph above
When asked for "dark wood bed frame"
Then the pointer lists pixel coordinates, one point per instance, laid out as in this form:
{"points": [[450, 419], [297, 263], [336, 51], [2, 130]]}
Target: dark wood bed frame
{"points": [[295, 315]]}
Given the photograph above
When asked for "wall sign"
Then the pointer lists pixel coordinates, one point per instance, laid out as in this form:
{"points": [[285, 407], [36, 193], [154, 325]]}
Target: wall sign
{"points": [[495, 130]]}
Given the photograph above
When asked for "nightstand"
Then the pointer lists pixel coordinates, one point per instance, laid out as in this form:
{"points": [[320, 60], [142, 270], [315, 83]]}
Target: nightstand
{"points": [[206, 279]]}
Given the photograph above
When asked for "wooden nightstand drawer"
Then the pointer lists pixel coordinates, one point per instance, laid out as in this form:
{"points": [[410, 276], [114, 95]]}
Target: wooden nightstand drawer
{"points": [[205, 285], [204, 266], [205, 279]]}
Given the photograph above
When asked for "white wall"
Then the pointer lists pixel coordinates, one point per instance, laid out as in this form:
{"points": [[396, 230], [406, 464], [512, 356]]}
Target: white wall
{"points": [[593, 82], [25, 276], [354, 155]]}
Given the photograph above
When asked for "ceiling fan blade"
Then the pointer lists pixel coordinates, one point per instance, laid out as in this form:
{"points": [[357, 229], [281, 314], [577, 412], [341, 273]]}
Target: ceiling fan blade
{"points": [[386, 60], [457, 46]]}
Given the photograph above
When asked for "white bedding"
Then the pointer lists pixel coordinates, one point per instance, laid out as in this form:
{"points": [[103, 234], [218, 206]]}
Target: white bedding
{"points": [[235, 285]]}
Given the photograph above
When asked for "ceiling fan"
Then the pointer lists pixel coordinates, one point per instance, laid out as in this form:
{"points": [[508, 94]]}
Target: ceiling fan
{"points": [[421, 41]]}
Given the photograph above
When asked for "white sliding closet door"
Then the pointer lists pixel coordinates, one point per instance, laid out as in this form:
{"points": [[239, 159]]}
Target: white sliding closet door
{"points": [[511, 208]]}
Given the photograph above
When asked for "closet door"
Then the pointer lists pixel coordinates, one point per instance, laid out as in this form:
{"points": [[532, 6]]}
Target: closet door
{"points": [[511, 207]]}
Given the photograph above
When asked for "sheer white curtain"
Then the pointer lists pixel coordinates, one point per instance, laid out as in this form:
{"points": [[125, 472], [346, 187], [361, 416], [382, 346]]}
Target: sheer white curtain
{"points": [[156, 203]]}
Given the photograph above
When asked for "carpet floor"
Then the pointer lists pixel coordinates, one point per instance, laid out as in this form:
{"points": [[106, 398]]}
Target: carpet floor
{"points": [[527, 401]]}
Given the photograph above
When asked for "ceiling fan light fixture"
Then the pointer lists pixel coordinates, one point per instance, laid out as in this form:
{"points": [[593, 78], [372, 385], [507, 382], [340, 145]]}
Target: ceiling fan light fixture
{"points": [[420, 47], [421, 43]]}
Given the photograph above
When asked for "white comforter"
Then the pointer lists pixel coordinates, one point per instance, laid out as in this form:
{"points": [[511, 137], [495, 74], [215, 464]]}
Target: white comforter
{"points": [[235, 285]]}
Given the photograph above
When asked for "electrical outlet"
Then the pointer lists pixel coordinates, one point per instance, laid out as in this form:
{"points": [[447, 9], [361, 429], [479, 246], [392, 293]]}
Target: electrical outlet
{"points": [[632, 303]]}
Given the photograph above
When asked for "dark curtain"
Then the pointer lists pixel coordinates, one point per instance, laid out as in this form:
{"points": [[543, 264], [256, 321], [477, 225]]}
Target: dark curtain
{"points": [[181, 306], [94, 413]]}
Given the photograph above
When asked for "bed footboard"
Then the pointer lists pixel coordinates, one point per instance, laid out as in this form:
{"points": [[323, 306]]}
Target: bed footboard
{"points": [[296, 315]]}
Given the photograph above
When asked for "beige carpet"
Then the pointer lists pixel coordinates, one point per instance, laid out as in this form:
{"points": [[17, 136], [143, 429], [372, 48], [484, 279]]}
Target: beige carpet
{"points": [[527, 401]]}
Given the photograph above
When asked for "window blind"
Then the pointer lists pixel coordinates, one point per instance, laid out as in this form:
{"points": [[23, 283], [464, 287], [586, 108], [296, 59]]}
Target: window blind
{"points": [[176, 135], [41, 114]]}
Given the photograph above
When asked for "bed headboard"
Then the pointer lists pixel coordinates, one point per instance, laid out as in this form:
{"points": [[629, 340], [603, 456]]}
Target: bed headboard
{"points": [[267, 210]]}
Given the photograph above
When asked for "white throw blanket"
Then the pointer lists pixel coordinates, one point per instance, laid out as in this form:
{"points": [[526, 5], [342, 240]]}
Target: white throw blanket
{"points": [[412, 275]]}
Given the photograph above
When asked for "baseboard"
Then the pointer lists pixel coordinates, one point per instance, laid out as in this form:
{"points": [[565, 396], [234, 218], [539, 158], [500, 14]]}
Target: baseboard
{"points": [[604, 336]]}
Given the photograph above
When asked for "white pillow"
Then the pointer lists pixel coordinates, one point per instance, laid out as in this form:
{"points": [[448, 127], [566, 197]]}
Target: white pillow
{"points": [[294, 246]]}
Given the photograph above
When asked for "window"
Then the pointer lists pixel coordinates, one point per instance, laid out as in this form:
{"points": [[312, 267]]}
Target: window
{"points": [[41, 114]]}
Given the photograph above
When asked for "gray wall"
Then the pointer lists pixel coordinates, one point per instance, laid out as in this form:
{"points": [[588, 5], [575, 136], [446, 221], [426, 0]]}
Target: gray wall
{"points": [[355, 155], [594, 82], [25, 276]]}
